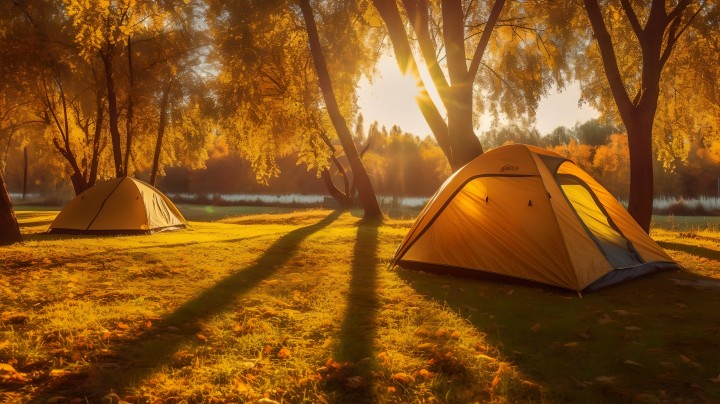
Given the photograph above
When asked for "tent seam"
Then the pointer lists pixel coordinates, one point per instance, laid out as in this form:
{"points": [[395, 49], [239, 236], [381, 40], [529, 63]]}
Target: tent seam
{"points": [[103, 203], [555, 217]]}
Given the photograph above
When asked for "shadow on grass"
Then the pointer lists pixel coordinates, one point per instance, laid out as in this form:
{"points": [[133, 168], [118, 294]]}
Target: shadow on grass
{"points": [[691, 249], [353, 383], [136, 359], [25, 265], [649, 339]]}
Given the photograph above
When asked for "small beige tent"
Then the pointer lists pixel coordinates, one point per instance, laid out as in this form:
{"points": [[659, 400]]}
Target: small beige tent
{"points": [[119, 206], [525, 212]]}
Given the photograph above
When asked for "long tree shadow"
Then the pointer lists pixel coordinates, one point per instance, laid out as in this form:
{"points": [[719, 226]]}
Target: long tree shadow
{"points": [[351, 380], [613, 345], [136, 359], [691, 249]]}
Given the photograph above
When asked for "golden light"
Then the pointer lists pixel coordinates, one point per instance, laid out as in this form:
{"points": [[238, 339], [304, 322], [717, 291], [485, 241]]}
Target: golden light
{"points": [[389, 97]]}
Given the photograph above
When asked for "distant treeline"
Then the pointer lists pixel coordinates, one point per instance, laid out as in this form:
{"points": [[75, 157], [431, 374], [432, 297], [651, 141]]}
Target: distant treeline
{"points": [[403, 164]]}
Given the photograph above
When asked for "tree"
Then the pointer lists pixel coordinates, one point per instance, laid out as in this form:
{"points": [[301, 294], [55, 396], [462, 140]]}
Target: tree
{"points": [[76, 115], [636, 91], [611, 164], [455, 33], [362, 180], [510, 134], [559, 136], [269, 98], [593, 132], [125, 35], [9, 229]]}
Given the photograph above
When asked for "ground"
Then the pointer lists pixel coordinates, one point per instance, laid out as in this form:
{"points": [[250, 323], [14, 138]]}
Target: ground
{"points": [[303, 307]]}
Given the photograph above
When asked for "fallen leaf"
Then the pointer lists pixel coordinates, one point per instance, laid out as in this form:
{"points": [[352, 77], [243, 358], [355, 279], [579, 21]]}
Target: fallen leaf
{"points": [[403, 378], [455, 335], [241, 386], [571, 344], [201, 337], [284, 353], [8, 374], [122, 326], [629, 362], [605, 379], [487, 358], [59, 372], [391, 389]]}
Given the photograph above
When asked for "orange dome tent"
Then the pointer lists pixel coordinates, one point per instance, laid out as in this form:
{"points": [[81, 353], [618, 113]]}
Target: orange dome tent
{"points": [[119, 206], [529, 213]]}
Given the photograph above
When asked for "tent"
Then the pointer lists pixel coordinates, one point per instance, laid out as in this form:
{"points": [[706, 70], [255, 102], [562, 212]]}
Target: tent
{"points": [[525, 212], [119, 206]]}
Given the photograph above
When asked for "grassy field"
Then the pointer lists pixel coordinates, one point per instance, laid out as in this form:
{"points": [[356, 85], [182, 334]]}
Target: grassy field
{"points": [[302, 307]]}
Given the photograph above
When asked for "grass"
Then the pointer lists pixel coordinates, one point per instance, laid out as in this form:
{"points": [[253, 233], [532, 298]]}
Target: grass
{"points": [[302, 307]]}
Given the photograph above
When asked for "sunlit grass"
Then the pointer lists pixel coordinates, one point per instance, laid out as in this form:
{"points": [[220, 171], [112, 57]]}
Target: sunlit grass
{"points": [[302, 307]]}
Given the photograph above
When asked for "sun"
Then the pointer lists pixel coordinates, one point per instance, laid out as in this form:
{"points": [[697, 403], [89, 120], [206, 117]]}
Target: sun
{"points": [[390, 97]]}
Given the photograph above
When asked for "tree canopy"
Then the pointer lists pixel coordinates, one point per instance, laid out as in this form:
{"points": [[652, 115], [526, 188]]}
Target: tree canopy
{"points": [[94, 90]]}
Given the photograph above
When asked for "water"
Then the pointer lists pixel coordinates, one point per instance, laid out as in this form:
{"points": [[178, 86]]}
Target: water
{"points": [[290, 199], [16, 197]]}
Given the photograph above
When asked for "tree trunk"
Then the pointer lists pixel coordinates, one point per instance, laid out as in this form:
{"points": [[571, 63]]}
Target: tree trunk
{"points": [[343, 199], [129, 119], [641, 172], [361, 178], [25, 173], [113, 115], [95, 160], [161, 134], [9, 229], [638, 114], [77, 179], [464, 143]]}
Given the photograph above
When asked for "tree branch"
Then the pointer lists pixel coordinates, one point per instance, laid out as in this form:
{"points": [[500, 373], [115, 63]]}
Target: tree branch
{"points": [[484, 39], [672, 37], [453, 28], [632, 17], [607, 52], [417, 11], [681, 6]]}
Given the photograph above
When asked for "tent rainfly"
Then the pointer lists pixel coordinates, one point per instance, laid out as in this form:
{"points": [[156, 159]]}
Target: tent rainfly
{"points": [[529, 213], [119, 206]]}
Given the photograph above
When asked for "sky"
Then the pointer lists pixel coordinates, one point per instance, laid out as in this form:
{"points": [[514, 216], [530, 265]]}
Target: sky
{"points": [[390, 99]]}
